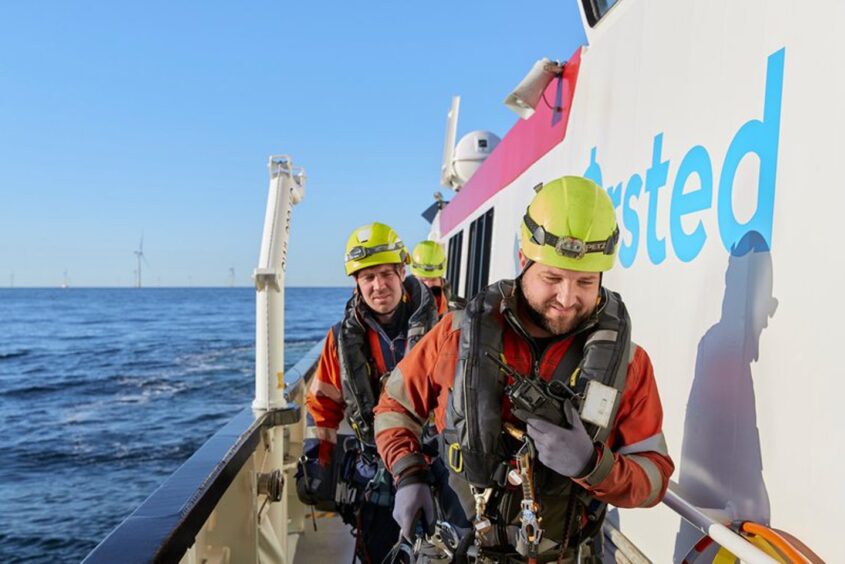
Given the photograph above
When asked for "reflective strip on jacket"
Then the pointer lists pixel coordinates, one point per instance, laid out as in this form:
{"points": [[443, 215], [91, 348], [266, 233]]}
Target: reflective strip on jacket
{"points": [[420, 384]]}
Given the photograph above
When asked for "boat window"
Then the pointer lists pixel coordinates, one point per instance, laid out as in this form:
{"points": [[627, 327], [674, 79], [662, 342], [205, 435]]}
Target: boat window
{"points": [[480, 239], [596, 9], [453, 260]]}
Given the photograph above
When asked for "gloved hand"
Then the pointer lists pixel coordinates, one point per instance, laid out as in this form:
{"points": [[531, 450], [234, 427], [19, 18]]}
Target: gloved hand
{"points": [[411, 500], [567, 451]]}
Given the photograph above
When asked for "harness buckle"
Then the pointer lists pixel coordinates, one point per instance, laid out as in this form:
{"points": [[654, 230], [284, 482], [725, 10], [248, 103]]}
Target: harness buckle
{"points": [[456, 459]]}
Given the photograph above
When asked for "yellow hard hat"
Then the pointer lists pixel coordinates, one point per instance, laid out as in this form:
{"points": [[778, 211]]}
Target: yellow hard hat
{"points": [[371, 245], [428, 260], [571, 224]]}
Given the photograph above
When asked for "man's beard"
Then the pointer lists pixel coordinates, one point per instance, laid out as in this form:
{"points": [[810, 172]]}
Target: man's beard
{"points": [[554, 326]]}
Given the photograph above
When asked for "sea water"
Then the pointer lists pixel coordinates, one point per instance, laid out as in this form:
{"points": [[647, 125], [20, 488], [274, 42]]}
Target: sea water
{"points": [[105, 392]]}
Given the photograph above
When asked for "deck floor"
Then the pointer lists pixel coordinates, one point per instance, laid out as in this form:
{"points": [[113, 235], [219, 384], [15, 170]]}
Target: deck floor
{"points": [[331, 542]]}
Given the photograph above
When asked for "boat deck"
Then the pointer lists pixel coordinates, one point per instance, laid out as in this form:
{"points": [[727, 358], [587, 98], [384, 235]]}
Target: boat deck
{"points": [[331, 542]]}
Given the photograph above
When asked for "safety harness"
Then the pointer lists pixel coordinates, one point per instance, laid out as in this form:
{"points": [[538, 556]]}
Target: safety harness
{"points": [[474, 445], [356, 364], [369, 481]]}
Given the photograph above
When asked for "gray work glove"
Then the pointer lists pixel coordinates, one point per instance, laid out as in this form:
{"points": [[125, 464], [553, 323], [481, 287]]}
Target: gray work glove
{"points": [[414, 501], [567, 451]]}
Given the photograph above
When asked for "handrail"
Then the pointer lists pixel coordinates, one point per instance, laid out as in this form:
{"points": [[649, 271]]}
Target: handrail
{"points": [[299, 374], [716, 530]]}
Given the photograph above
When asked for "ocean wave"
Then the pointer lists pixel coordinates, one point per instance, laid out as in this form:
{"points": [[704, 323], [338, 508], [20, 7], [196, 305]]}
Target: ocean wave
{"points": [[40, 548], [130, 449], [14, 354], [40, 388]]}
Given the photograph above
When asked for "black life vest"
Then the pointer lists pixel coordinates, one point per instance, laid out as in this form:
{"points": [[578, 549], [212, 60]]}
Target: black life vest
{"points": [[473, 443], [354, 355]]}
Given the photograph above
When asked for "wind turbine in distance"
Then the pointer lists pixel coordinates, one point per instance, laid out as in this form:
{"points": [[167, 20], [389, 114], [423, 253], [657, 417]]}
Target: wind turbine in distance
{"points": [[139, 255], [231, 277]]}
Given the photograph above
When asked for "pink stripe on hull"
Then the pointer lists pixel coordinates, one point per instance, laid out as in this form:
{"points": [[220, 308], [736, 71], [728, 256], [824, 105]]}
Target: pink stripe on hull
{"points": [[524, 144]]}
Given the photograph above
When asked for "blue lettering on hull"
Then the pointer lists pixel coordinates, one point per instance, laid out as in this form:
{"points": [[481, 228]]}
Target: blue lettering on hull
{"points": [[692, 189]]}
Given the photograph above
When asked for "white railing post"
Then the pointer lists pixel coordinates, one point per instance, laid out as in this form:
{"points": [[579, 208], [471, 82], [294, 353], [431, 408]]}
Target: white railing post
{"points": [[287, 187]]}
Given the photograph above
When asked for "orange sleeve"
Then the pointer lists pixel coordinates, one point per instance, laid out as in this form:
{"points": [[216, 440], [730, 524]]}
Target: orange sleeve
{"points": [[641, 465], [411, 394], [325, 399]]}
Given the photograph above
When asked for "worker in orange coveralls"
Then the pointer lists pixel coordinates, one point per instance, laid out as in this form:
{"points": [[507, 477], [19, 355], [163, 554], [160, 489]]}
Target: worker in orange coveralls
{"points": [[386, 316], [546, 408]]}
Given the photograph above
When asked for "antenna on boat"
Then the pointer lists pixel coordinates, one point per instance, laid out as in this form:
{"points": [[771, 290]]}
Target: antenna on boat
{"points": [[462, 160], [447, 170]]}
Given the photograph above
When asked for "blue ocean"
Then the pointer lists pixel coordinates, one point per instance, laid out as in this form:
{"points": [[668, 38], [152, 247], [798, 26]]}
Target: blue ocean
{"points": [[105, 392]]}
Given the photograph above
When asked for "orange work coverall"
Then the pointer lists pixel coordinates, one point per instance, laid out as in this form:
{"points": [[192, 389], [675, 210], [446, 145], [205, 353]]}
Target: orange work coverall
{"points": [[421, 382]]}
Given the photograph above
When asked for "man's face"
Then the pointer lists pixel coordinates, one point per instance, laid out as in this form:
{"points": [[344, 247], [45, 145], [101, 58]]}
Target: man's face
{"points": [[381, 286], [560, 299], [432, 282]]}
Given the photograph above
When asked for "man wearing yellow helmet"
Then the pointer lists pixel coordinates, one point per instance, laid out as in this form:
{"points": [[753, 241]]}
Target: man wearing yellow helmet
{"points": [[386, 316], [428, 263], [538, 383]]}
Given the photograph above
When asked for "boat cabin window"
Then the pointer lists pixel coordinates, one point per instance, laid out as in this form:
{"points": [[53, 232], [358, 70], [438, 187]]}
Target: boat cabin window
{"points": [[453, 260], [596, 9], [478, 265]]}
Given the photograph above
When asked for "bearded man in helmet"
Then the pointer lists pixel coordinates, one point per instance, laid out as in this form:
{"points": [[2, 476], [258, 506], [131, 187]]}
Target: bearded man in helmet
{"points": [[536, 383], [386, 316], [428, 263]]}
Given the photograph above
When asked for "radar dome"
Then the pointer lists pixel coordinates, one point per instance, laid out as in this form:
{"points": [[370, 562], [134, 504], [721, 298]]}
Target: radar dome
{"points": [[472, 150]]}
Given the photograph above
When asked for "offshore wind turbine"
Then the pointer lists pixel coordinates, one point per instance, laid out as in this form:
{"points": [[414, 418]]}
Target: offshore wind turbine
{"points": [[231, 276], [139, 255]]}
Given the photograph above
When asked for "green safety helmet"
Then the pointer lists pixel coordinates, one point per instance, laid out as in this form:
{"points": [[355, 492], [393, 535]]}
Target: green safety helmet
{"points": [[571, 224], [371, 245], [428, 260]]}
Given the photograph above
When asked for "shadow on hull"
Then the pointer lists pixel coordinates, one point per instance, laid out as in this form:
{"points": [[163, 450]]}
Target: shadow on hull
{"points": [[721, 463]]}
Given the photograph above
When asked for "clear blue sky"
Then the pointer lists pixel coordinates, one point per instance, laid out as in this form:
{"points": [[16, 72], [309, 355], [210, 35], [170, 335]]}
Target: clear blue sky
{"points": [[119, 118]]}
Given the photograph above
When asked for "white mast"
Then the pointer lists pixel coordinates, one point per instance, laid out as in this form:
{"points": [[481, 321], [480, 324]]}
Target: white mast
{"points": [[287, 188]]}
